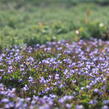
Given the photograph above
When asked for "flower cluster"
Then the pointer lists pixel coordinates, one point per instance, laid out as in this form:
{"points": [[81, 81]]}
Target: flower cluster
{"points": [[59, 74]]}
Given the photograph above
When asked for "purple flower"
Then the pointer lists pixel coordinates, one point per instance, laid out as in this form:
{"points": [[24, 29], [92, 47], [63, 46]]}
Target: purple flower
{"points": [[105, 107], [79, 107]]}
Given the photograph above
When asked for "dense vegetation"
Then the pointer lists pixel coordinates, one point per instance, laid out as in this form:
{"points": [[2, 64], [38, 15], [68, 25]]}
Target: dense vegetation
{"points": [[25, 22], [54, 54], [63, 75]]}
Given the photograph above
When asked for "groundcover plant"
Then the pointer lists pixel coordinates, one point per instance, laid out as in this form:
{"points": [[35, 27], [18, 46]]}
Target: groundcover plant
{"points": [[55, 75]]}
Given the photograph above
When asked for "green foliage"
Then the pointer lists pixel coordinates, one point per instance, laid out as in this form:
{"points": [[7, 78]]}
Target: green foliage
{"points": [[29, 24]]}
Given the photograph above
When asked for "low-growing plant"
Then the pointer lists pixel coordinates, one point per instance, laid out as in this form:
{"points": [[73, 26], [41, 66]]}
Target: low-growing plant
{"points": [[61, 74]]}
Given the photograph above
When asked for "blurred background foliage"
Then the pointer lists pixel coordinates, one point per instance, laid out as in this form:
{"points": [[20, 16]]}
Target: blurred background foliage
{"points": [[20, 3], [38, 21]]}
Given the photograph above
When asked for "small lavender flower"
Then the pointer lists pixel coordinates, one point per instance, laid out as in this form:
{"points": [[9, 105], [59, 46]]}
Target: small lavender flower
{"points": [[5, 100], [106, 102], [46, 106], [79, 107], [105, 107]]}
